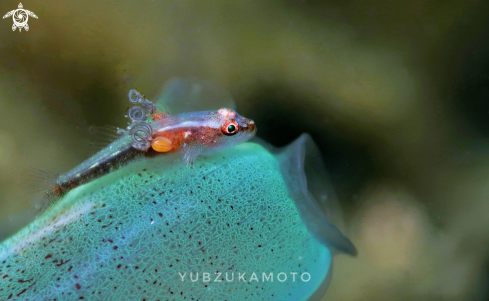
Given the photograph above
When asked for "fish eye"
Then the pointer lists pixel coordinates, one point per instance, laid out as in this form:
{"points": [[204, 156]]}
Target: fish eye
{"points": [[230, 128]]}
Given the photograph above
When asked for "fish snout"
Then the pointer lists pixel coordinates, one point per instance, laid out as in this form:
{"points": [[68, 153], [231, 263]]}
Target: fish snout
{"points": [[250, 126]]}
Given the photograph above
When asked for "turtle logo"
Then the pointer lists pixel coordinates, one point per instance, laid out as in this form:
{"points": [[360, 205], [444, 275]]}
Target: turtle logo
{"points": [[20, 17]]}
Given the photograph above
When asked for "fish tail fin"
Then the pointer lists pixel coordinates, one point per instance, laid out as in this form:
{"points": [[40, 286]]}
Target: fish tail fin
{"points": [[40, 185]]}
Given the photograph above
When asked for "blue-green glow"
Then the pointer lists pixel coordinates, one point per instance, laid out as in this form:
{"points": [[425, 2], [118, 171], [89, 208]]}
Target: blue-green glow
{"points": [[128, 235]]}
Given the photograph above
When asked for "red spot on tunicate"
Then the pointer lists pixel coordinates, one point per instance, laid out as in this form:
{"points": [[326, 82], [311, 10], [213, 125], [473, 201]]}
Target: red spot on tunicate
{"points": [[119, 266], [116, 247], [5, 276], [62, 262], [69, 270], [48, 256], [78, 286], [23, 291]]}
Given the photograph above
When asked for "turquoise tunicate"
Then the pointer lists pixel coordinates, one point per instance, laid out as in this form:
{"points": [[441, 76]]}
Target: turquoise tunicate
{"points": [[148, 230]]}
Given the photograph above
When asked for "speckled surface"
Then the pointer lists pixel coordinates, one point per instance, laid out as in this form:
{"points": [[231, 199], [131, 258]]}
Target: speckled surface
{"points": [[128, 235]]}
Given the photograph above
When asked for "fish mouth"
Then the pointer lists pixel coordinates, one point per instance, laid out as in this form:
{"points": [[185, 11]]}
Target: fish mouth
{"points": [[250, 127]]}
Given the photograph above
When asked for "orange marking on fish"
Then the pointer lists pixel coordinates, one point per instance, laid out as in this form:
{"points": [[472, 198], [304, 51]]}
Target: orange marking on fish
{"points": [[158, 115], [162, 144]]}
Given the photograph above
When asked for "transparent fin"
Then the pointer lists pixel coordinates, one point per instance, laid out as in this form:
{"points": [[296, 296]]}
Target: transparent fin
{"points": [[37, 184], [37, 180], [101, 136], [180, 95]]}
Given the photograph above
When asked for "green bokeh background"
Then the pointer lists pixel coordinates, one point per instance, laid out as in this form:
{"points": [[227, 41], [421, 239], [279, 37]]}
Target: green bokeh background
{"points": [[395, 93]]}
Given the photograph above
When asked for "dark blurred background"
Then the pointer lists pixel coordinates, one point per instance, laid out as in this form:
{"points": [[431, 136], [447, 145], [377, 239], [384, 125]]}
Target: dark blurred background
{"points": [[395, 93]]}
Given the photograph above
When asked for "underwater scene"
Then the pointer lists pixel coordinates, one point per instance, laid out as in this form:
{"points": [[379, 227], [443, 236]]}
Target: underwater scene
{"points": [[244, 150]]}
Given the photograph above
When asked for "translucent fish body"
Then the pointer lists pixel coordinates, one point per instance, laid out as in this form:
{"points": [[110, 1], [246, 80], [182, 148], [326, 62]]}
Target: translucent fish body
{"points": [[204, 133], [189, 134]]}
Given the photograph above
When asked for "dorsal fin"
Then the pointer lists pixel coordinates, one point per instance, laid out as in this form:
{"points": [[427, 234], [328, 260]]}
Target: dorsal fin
{"points": [[180, 95], [101, 136]]}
